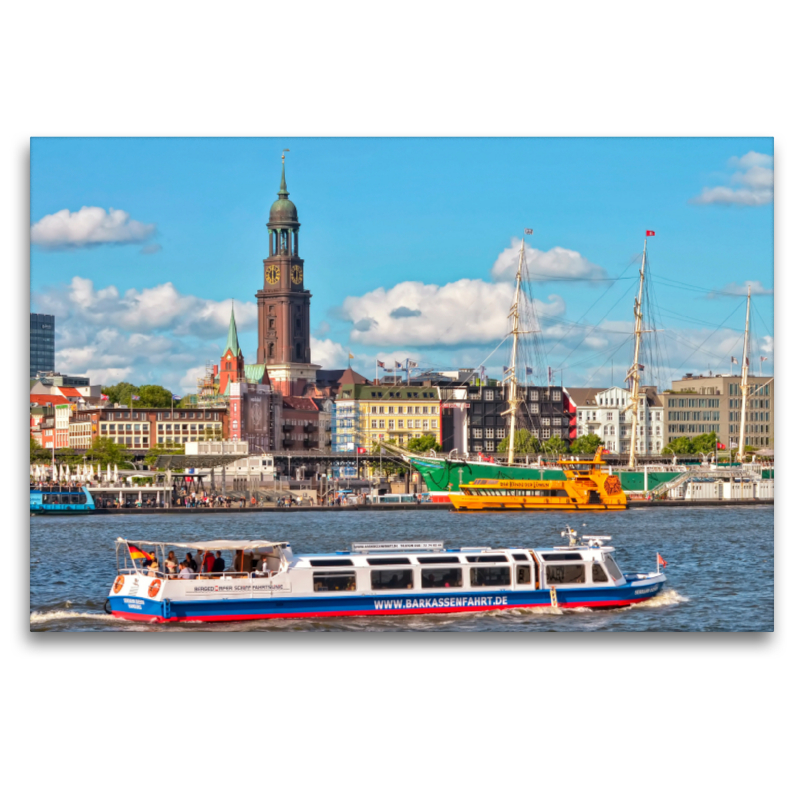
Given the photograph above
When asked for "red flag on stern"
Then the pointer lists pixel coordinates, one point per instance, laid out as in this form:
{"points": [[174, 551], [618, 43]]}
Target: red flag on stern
{"points": [[649, 233], [661, 562]]}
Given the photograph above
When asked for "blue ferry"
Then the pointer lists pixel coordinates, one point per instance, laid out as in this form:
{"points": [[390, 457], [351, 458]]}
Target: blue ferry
{"points": [[266, 580], [61, 500]]}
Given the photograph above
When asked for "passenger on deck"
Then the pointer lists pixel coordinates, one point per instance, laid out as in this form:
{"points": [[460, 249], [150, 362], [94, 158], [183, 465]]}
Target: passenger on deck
{"points": [[187, 573], [219, 563], [208, 562], [191, 562], [263, 567], [171, 564], [152, 569]]}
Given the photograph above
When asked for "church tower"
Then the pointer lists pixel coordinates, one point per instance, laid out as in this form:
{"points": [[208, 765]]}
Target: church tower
{"points": [[284, 332], [231, 365]]}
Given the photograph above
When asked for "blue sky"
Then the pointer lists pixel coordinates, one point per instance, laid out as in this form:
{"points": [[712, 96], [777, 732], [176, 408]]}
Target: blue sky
{"points": [[421, 224]]}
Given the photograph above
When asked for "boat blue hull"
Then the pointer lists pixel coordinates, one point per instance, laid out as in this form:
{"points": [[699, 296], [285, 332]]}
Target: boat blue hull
{"points": [[237, 609]]}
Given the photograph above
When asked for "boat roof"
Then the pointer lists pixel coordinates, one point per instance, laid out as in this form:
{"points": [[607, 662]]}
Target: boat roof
{"points": [[214, 544]]}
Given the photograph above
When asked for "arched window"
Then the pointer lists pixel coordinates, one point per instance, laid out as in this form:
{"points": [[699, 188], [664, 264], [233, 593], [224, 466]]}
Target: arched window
{"points": [[271, 350], [298, 348]]}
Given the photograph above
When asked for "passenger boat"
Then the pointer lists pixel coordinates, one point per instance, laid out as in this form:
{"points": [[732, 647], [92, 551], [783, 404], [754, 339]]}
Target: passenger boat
{"points": [[61, 500], [268, 581], [586, 487]]}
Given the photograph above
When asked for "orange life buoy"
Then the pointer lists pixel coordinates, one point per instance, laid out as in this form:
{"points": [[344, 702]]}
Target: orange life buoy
{"points": [[152, 589], [118, 584]]}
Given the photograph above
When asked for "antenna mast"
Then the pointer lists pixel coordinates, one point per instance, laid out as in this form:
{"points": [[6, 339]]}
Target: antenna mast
{"points": [[633, 372], [513, 399], [745, 370]]}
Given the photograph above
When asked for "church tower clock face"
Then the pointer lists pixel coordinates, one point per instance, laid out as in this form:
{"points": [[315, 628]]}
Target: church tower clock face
{"points": [[272, 273], [297, 274]]}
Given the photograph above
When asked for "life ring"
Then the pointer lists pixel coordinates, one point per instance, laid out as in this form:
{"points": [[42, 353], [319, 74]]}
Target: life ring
{"points": [[152, 589], [118, 584]]}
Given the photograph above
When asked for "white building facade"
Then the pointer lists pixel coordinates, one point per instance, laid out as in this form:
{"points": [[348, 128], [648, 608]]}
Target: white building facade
{"points": [[604, 413]]}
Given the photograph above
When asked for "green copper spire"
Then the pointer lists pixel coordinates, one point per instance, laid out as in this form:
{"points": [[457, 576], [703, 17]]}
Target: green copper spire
{"points": [[283, 191], [233, 337]]}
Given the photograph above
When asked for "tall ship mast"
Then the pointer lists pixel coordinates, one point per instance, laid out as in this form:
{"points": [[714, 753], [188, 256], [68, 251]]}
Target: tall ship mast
{"points": [[744, 386], [511, 380], [633, 372]]}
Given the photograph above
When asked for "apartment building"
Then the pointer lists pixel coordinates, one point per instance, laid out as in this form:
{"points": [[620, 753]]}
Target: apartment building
{"points": [[700, 404]]}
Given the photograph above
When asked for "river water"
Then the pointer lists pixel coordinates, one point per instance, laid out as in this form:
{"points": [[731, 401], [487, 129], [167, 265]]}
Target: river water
{"points": [[720, 573]]}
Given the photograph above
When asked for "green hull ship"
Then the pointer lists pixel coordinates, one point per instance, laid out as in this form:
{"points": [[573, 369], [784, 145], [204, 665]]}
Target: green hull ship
{"points": [[443, 477]]}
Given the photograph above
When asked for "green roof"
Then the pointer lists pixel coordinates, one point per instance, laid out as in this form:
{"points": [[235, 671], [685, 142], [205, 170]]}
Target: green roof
{"points": [[386, 393], [254, 372], [233, 338]]}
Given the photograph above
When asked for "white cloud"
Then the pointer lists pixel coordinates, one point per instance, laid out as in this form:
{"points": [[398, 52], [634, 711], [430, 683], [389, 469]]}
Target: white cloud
{"points": [[89, 226], [756, 288], [150, 335], [755, 176], [158, 308], [328, 354], [552, 264], [465, 311]]}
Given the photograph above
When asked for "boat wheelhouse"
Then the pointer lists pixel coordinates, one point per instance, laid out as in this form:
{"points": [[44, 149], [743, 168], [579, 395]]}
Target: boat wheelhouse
{"points": [[268, 581], [61, 500], [586, 487]]}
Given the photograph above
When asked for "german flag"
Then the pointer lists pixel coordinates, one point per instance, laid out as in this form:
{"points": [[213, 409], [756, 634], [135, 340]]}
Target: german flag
{"points": [[136, 552]]}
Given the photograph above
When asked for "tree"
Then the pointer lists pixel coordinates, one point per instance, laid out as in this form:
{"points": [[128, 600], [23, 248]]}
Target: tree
{"points": [[39, 453], [66, 455], [705, 443], [150, 395], [153, 397], [525, 443], [389, 465], [106, 452], [120, 392], [424, 443], [678, 447], [588, 443], [555, 444]]}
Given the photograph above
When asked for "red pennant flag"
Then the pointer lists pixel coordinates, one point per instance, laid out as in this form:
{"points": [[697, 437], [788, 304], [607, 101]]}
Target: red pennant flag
{"points": [[650, 233], [661, 562]]}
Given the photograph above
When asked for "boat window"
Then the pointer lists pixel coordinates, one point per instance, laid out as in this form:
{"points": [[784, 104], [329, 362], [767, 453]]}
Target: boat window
{"points": [[599, 574], [565, 573], [493, 559], [442, 578], [438, 559], [520, 556], [490, 576], [613, 569], [334, 581], [387, 579], [562, 557], [331, 562], [523, 573], [376, 561]]}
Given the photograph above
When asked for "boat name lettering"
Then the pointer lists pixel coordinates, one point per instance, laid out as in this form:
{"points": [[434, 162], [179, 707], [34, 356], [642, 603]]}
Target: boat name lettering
{"points": [[441, 602], [527, 484], [133, 602], [647, 590], [232, 588]]}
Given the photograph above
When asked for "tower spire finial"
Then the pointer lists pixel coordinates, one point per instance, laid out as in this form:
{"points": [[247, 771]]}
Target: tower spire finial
{"points": [[283, 191]]}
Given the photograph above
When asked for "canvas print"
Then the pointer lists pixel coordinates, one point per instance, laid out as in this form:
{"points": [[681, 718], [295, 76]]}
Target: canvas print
{"points": [[401, 384]]}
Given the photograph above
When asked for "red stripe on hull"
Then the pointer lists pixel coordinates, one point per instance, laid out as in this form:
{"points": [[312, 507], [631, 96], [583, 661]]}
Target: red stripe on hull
{"points": [[374, 612]]}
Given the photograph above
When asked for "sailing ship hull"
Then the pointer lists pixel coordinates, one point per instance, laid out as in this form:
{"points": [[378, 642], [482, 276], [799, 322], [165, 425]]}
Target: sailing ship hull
{"points": [[443, 476]]}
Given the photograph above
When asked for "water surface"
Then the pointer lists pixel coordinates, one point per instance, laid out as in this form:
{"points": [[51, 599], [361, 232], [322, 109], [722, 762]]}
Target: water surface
{"points": [[720, 573]]}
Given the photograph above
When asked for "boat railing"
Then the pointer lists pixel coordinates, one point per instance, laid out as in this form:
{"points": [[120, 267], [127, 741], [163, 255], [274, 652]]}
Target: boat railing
{"points": [[202, 576]]}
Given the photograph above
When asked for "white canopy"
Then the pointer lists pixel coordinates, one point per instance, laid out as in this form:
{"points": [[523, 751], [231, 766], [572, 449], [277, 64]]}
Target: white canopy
{"points": [[215, 544]]}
